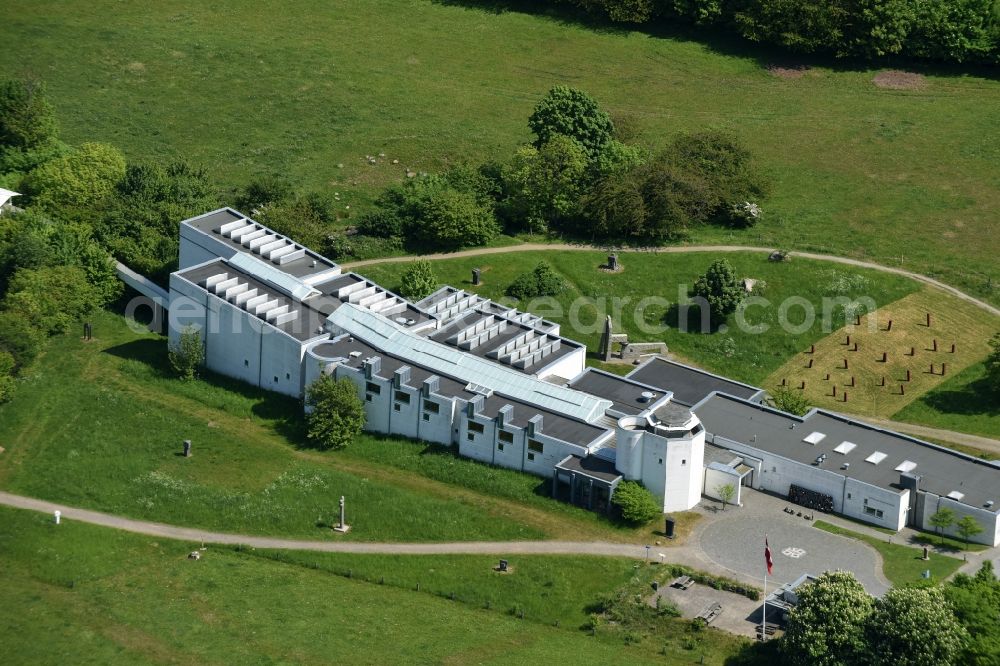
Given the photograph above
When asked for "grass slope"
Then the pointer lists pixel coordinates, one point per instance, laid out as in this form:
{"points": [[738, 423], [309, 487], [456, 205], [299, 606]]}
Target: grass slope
{"points": [[746, 356], [952, 322], [963, 402], [100, 425], [90, 595], [900, 176]]}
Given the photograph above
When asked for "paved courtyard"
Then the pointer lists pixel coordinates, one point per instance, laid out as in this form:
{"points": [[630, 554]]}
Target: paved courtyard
{"points": [[734, 540], [738, 612]]}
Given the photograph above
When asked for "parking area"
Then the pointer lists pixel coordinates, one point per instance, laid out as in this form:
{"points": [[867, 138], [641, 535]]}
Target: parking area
{"points": [[734, 539]]}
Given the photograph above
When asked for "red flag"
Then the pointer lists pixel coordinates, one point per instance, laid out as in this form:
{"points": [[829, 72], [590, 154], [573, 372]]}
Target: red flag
{"points": [[767, 556]]}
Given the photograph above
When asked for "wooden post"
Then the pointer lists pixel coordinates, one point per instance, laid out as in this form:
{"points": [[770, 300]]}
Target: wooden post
{"points": [[802, 385], [882, 381], [889, 326], [885, 357], [845, 364], [934, 344], [834, 394], [855, 346], [810, 363], [852, 381], [902, 391], [784, 381], [857, 320], [845, 396], [848, 339], [953, 348], [827, 378], [944, 368], [812, 349], [928, 320], [907, 374]]}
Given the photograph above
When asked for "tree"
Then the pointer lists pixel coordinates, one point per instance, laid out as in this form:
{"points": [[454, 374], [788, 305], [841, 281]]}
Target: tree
{"points": [[637, 504], [543, 184], [976, 604], [453, 219], [52, 297], [80, 179], [187, 353], [336, 414], [826, 627], [573, 113], [541, 281], [915, 627], [20, 338], [993, 364], [968, 527], [614, 208], [6, 376], [942, 520], [418, 281], [721, 289], [726, 492], [789, 401], [27, 120]]}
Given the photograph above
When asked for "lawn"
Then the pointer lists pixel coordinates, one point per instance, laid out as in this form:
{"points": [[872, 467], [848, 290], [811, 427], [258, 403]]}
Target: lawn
{"points": [[874, 387], [85, 594], [100, 425], [963, 402], [905, 177], [741, 354], [902, 565]]}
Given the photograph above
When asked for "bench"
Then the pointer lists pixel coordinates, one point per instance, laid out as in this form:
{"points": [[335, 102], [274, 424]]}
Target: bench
{"points": [[709, 614], [682, 582], [768, 630]]}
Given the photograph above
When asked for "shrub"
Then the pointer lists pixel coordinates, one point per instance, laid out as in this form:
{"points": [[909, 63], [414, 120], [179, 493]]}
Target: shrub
{"points": [[336, 415], [450, 219], [541, 281], [187, 354], [418, 281], [637, 504], [790, 401], [343, 247], [381, 224], [53, 297], [721, 289], [543, 184], [19, 338], [6, 376]]}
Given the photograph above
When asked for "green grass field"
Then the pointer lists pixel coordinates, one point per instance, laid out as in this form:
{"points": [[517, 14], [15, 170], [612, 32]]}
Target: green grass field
{"points": [[735, 353], [100, 425], [905, 177], [82, 594], [902, 565], [964, 402]]}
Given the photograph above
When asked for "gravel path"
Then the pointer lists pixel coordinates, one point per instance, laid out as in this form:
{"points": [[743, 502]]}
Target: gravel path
{"points": [[681, 249]]}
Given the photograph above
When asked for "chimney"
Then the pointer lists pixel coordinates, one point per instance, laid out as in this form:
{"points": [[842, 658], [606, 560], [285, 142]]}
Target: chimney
{"points": [[401, 377], [474, 406], [431, 385], [373, 366], [504, 415], [535, 425]]}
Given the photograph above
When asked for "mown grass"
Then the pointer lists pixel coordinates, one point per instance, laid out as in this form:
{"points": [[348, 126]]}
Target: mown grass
{"points": [[902, 565], [591, 294], [83, 594], [101, 424], [964, 402], [899, 176]]}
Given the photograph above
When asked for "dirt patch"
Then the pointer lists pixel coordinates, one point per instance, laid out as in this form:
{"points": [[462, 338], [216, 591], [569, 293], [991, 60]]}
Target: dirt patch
{"points": [[136, 67], [787, 71], [893, 79]]}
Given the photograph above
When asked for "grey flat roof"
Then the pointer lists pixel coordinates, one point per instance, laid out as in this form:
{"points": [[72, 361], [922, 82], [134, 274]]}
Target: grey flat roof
{"points": [[210, 223], [942, 470], [689, 385], [624, 393], [302, 328], [555, 425], [409, 311], [591, 466], [513, 330]]}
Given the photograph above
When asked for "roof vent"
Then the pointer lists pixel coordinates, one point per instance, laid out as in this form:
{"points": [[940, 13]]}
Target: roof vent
{"points": [[955, 495], [313, 264], [355, 354], [647, 396], [846, 466], [989, 504]]}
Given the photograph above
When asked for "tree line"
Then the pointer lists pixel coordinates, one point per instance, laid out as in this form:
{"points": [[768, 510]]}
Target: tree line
{"points": [[959, 31]]}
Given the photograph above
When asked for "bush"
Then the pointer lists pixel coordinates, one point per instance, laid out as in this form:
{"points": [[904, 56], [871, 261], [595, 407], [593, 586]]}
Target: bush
{"points": [[336, 415], [450, 219], [343, 247], [418, 281], [543, 184], [381, 224], [541, 281], [19, 338], [637, 504], [6, 376], [187, 354], [53, 298], [789, 401], [720, 287]]}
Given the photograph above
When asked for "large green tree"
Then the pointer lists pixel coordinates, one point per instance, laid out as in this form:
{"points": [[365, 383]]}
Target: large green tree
{"points": [[336, 414], [976, 603], [543, 184], [721, 288], [418, 281], [826, 627], [53, 297], [83, 178], [569, 112], [914, 627], [27, 120]]}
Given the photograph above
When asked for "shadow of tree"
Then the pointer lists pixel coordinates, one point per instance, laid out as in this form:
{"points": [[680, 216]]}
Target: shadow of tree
{"points": [[975, 398]]}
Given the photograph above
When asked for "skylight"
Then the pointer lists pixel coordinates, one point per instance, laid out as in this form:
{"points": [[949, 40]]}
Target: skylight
{"points": [[814, 438], [845, 447], [876, 458], [906, 466], [955, 495]]}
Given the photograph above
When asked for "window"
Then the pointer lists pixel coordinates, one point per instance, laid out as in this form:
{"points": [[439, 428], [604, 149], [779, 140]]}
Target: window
{"points": [[872, 511], [246, 363], [470, 437], [432, 407], [368, 397], [536, 446], [500, 446], [476, 427], [661, 461], [402, 397], [531, 456], [427, 417], [505, 436], [276, 379], [373, 388], [684, 461], [288, 375], [848, 495], [395, 406]]}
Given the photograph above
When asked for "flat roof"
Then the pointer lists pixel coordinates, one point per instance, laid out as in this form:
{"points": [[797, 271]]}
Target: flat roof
{"points": [[941, 470], [592, 466], [303, 328], [625, 394], [404, 309], [689, 385], [211, 223], [556, 425]]}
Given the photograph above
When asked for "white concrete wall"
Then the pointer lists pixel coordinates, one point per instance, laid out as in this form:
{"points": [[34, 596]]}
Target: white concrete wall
{"points": [[986, 519], [233, 342], [281, 363], [404, 419], [568, 366], [436, 427], [628, 454], [197, 248], [474, 445], [187, 308], [716, 478], [553, 452], [513, 453]]}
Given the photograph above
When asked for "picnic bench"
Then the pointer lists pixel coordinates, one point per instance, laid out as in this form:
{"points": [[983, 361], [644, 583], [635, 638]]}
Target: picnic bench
{"points": [[767, 629], [710, 613], [682, 582]]}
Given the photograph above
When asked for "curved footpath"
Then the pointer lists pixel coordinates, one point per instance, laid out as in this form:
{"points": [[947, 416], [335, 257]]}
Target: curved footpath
{"points": [[681, 249]]}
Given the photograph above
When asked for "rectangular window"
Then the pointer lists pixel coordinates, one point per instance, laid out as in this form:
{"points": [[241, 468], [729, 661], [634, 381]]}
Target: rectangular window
{"points": [[470, 437], [505, 436], [872, 511], [432, 407], [536, 446], [368, 397], [476, 427], [373, 388], [403, 397], [427, 417], [500, 446], [531, 456], [396, 406], [661, 461]]}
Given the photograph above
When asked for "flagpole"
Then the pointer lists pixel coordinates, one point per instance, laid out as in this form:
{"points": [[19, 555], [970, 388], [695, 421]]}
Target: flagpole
{"points": [[763, 617]]}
